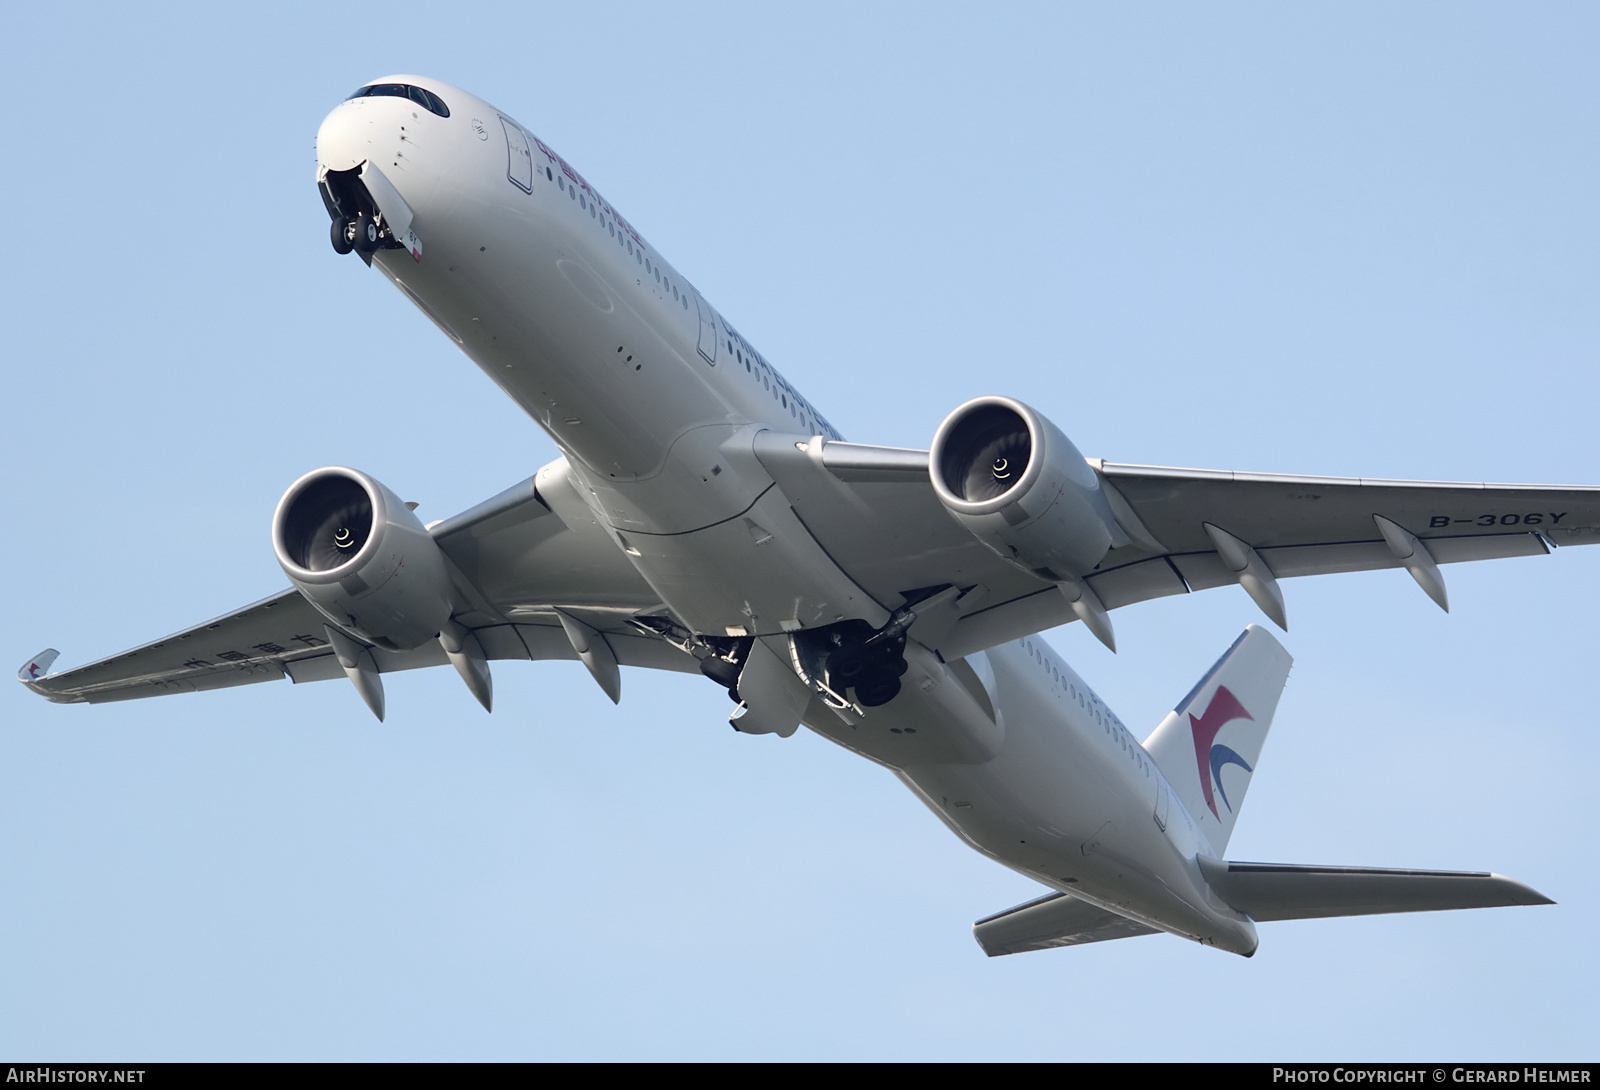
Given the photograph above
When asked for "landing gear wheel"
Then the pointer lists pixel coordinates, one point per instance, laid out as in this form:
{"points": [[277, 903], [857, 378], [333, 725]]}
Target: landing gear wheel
{"points": [[878, 691], [847, 665], [366, 233], [339, 233], [874, 672], [721, 671]]}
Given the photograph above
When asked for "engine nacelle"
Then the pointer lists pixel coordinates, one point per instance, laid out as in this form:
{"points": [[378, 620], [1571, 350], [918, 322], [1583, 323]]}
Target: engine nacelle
{"points": [[1010, 476], [362, 558]]}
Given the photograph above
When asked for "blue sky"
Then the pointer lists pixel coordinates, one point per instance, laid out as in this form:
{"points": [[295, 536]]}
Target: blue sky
{"points": [[1342, 239]]}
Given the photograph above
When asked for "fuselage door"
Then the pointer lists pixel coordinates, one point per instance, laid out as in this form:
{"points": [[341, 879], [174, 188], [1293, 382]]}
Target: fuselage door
{"points": [[519, 160], [708, 329]]}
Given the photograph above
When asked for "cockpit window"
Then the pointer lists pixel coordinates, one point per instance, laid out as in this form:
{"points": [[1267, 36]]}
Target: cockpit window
{"points": [[421, 96]]}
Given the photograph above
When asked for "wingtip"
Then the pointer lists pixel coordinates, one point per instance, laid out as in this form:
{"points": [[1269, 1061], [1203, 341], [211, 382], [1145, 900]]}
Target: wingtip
{"points": [[38, 667]]}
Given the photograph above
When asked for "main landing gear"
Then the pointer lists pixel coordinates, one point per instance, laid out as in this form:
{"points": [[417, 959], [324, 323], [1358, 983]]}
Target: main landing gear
{"points": [[721, 658], [723, 666], [871, 663], [842, 657]]}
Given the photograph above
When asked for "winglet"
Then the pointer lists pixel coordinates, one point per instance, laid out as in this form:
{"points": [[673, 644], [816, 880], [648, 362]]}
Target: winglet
{"points": [[38, 667]]}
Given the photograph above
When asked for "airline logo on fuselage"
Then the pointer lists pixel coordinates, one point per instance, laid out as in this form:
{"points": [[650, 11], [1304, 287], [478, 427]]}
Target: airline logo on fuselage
{"points": [[577, 179], [1211, 757]]}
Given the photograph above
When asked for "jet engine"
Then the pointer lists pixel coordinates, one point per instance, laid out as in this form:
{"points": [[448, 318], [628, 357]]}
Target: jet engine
{"points": [[1008, 475], [362, 558]]}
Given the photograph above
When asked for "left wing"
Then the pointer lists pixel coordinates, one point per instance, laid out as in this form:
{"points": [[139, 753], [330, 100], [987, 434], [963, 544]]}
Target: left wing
{"points": [[521, 567], [874, 510]]}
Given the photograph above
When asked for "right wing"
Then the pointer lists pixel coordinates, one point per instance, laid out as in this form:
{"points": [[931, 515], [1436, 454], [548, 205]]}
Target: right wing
{"points": [[1303, 525], [520, 565], [875, 512]]}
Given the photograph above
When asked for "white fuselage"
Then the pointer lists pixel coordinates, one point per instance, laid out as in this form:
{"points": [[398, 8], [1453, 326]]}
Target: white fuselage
{"points": [[655, 402]]}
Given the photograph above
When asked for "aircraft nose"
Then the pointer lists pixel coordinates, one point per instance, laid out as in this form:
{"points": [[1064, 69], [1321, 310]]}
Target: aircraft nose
{"points": [[344, 141]]}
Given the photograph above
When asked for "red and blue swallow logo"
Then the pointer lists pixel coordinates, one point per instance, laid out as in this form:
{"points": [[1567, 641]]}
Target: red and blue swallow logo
{"points": [[1223, 709]]}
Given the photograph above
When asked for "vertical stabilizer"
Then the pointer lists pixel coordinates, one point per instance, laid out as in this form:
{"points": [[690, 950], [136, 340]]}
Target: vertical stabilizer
{"points": [[1209, 746]]}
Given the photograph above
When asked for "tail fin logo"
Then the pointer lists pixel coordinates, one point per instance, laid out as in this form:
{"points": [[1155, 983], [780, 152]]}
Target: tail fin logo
{"points": [[1209, 757]]}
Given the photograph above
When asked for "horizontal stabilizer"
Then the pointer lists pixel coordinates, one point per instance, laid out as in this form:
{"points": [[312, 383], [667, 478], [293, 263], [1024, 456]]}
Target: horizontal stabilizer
{"points": [[1056, 919], [1287, 891]]}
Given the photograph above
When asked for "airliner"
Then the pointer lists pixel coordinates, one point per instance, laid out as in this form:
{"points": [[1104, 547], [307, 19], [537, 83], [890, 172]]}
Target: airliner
{"points": [[705, 517]]}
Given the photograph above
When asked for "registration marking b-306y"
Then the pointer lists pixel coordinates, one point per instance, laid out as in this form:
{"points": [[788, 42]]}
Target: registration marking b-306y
{"points": [[1532, 518]]}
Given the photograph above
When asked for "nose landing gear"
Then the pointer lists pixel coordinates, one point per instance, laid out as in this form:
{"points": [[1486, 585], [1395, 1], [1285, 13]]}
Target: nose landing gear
{"points": [[368, 234], [361, 234], [342, 233], [358, 223]]}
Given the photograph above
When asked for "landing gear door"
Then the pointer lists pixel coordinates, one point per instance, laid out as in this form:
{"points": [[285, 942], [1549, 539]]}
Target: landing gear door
{"points": [[519, 160], [396, 213], [708, 328]]}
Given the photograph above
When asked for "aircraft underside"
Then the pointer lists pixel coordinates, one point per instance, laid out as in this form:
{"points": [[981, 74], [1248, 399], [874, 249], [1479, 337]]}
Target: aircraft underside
{"points": [[705, 518]]}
